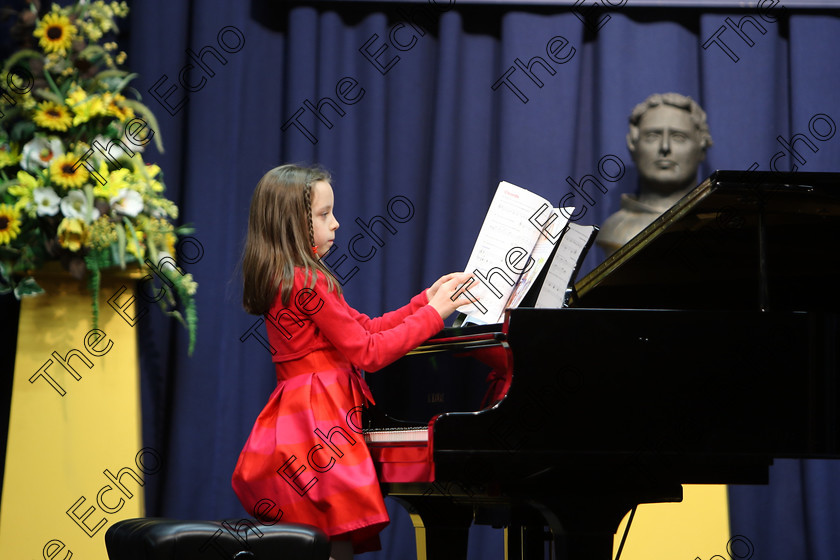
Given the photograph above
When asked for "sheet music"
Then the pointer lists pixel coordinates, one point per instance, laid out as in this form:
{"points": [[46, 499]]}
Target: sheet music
{"points": [[563, 265], [541, 254], [506, 236]]}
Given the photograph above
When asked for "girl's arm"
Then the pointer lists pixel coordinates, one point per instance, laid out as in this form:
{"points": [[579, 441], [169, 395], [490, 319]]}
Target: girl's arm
{"points": [[392, 318], [368, 349]]}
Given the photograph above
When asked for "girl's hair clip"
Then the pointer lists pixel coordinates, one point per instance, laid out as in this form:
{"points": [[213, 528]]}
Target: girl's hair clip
{"points": [[315, 250]]}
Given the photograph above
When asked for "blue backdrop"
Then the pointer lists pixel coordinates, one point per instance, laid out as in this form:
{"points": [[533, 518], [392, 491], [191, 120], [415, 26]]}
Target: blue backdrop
{"points": [[438, 104]]}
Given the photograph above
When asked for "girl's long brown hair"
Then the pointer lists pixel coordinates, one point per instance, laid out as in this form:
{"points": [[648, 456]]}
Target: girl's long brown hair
{"points": [[280, 237]]}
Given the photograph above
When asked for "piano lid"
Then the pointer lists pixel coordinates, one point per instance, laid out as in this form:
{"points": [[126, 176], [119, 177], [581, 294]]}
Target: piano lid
{"points": [[740, 240]]}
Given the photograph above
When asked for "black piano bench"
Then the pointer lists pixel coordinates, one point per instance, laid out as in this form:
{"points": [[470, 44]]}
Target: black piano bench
{"points": [[170, 539]]}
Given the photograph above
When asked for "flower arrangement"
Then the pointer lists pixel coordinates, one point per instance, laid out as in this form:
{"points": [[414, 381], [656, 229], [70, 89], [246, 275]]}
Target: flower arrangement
{"points": [[62, 95]]}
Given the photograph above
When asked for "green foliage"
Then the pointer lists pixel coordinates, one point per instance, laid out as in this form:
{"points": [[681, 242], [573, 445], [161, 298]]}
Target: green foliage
{"points": [[52, 208]]}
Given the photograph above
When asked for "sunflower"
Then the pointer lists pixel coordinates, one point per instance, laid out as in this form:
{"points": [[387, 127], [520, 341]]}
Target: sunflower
{"points": [[9, 223], [65, 172], [114, 107], [56, 33], [53, 116]]}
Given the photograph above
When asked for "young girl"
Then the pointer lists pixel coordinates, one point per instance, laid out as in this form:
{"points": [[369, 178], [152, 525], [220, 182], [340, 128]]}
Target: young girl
{"points": [[305, 460]]}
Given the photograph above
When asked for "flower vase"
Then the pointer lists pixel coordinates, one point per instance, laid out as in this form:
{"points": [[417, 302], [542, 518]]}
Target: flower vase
{"points": [[74, 459]]}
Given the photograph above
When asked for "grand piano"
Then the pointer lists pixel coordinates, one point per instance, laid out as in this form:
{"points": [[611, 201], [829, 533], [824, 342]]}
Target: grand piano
{"points": [[698, 353]]}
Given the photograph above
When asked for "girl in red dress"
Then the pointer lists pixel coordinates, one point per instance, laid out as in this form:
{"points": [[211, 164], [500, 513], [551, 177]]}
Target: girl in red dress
{"points": [[305, 460]]}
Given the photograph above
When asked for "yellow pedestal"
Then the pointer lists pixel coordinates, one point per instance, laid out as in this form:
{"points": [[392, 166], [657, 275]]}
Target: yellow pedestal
{"points": [[77, 455], [697, 527]]}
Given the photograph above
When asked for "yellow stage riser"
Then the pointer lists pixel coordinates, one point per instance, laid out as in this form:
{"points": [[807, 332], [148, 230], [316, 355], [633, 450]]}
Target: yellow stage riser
{"points": [[60, 447], [697, 527]]}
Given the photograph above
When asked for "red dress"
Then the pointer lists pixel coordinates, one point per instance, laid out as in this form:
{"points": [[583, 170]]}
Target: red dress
{"points": [[305, 460]]}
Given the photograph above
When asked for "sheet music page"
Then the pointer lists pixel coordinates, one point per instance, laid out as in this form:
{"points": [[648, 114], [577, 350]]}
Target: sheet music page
{"points": [[501, 252], [566, 259], [542, 251]]}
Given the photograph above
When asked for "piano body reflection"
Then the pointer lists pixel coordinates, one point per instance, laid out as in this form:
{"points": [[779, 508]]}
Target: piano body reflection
{"points": [[697, 353]]}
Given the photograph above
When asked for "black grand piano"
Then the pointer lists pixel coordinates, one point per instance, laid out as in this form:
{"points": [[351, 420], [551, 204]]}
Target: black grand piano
{"points": [[697, 353]]}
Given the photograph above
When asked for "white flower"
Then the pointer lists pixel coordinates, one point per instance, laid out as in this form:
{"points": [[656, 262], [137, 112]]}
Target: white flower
{"points": [[46, 201], [112, 147], [40, 151], [74, 205], [127, 202], [132, 145]]}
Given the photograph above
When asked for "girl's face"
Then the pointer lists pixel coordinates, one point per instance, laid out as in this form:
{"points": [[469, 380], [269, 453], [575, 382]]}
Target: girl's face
{"points": [[324, 223]]}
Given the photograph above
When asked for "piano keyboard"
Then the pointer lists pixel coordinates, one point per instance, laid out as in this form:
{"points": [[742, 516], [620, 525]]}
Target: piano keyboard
{"points": [[391, 435]]}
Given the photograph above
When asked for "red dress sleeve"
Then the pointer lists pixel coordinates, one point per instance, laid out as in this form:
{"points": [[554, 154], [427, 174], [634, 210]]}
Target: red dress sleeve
{"points": [[392, 318], [370, 344]]}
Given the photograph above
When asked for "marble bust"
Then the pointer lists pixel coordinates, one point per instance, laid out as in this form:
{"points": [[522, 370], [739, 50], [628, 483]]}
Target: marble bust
{"points": [[667, 140]]}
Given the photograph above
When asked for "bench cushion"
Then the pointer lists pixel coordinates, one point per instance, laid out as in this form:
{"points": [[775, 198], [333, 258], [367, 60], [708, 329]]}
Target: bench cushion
{"points": [[243, 539]]}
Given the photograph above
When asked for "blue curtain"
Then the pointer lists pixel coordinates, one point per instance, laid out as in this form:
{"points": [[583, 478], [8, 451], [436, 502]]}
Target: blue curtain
{"points": [[437, 104]]}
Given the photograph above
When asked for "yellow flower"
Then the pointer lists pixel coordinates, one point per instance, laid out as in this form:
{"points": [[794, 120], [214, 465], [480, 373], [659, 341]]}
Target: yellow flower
{"points": [[139, 251], [116, 181], [24, 189], [9, 224], [146, 173], [161, 207], [189, 284], [55, 32], [115, 109], [120, 9], [72, 233], [28, 181], [53, 116], [29, 102], [169, 243], [8, 155], [55, 62], [89, 108], [159, 233], [103, 233], [63, 174], [92, 31], [75, 97]]}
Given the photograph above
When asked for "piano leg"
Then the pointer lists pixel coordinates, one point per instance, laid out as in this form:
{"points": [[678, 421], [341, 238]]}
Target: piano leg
{"points": [[580, 546], [529, 543], [440, 533], [523, 542], [584, 530]]}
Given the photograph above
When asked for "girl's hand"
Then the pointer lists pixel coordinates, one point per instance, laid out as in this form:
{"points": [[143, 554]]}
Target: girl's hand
{"points": [[442, 299], [430, 292]]}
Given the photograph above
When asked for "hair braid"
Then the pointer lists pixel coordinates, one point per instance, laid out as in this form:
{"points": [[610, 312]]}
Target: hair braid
{"points": [[307, 202]]}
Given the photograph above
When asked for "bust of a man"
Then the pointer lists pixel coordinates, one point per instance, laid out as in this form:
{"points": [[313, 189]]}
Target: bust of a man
{"points": [[667, 140]]}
